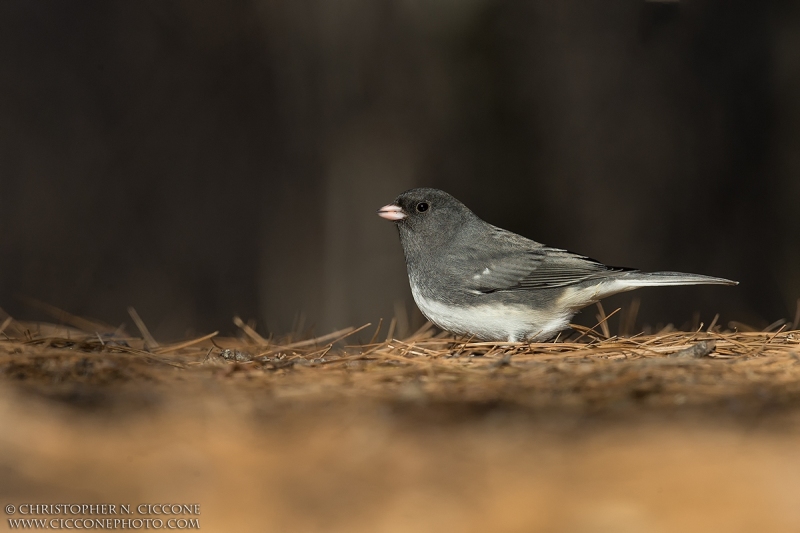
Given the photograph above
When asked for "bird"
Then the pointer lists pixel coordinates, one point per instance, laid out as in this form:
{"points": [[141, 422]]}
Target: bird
{"points": [[474, 279]]}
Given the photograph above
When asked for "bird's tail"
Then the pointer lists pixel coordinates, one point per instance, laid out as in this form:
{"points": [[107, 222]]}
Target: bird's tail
{"points": [[656, 279], [634, 279]]}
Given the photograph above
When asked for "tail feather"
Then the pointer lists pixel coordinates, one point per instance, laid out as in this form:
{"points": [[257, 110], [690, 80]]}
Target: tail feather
{"points": [[656, 279], [630, 280]]}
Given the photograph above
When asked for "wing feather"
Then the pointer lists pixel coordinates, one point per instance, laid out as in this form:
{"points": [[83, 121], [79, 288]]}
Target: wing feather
{"points": [[513, 263]]}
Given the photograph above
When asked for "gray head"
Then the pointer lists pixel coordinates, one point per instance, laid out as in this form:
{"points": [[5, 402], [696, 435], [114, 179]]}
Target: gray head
{"points": [[426, 215]]}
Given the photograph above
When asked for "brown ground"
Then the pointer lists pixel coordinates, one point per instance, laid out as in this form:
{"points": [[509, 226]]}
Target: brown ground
{"points": [[660, 433]]}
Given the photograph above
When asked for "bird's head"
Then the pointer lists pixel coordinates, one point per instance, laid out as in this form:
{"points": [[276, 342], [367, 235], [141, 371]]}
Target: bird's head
{"points": [[430, 215]]}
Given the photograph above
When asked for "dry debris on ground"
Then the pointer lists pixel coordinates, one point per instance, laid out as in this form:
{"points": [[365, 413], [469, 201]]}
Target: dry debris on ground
{"points": [[707, 368]]}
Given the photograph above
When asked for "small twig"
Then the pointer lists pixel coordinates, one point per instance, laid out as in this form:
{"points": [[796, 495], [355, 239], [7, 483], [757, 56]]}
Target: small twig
{"points": [[250, 332], [336, 336], [493, 344], [628, 324], [392, 325], [319, 354], [401, 313], [592, 328], [669, 328], [149, 341], [377, 330], [6, 323], [426, 351], [713, 323], [774, 325], [775, 335], [89, 326], [602, 318], [425, 327], [186, 344], [324, 339], [695, 334], [347, 334]]}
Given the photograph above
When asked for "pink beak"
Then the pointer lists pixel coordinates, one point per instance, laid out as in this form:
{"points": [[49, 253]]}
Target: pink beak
{"points": [[392, 212]]}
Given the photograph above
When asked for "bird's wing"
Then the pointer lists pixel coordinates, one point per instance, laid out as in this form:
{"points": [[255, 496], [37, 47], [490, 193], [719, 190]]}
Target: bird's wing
{"points": [[524, 265]]}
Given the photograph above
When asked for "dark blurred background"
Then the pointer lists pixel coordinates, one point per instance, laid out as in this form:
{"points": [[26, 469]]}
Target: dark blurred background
{"points": [[200, 159]]}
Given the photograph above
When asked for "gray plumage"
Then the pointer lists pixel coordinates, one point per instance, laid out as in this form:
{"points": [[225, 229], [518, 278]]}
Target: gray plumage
{"points": [[472, 278]]}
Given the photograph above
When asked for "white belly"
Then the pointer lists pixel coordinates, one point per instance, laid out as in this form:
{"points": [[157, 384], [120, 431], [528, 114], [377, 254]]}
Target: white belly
{"points": [[492, 322]]}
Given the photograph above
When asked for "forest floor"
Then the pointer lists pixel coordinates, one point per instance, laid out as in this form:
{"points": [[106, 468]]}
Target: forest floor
{"points": [[359, 431]]}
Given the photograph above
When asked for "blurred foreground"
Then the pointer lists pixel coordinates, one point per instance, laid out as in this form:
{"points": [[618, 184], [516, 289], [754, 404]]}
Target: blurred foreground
{"points": [[647, 433]]}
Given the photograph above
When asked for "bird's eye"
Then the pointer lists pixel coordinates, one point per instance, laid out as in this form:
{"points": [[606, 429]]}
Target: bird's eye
{"points": [[422, 207]]}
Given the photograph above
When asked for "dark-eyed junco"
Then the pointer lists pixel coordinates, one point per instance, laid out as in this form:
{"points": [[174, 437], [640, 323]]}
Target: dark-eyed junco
{"points": [[471, 278]]}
